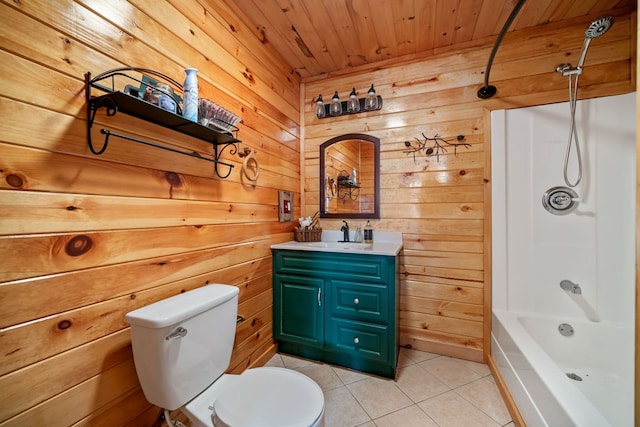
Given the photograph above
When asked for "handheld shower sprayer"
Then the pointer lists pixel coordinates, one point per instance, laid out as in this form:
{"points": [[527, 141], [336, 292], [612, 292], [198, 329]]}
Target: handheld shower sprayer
{"points": [[595, 29]]}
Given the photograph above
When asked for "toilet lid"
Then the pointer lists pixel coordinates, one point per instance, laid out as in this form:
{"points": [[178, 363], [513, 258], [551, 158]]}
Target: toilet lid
{"points": [[270, 397]]}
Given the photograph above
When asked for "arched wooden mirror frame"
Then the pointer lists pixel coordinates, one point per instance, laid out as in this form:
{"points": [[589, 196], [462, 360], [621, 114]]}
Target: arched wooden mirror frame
{"points": [[375, 214]]}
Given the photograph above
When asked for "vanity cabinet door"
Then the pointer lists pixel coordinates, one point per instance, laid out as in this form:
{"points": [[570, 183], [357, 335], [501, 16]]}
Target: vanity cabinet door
{"points": [[298, 309]]}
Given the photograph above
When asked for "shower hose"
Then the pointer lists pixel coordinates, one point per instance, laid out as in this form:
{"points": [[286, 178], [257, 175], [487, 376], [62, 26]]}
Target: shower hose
{"points": [[573, 132]]}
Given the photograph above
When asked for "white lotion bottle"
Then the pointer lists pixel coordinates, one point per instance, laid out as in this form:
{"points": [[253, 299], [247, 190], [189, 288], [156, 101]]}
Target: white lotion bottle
{"points": [[190, 95]]}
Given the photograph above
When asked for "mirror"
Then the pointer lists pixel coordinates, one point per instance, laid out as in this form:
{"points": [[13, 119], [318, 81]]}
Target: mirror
{"points": [[343, 195]]}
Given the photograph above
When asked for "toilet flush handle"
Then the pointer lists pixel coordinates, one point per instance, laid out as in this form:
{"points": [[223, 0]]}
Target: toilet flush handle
{"points": [[178, 333]]}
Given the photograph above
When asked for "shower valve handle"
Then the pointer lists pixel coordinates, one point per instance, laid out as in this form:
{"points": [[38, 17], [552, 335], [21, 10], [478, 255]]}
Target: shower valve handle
{"points": [[563, 199]]}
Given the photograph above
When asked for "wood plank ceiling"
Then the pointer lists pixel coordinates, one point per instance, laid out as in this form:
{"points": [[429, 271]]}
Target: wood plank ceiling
{"points": [[324, 37]]}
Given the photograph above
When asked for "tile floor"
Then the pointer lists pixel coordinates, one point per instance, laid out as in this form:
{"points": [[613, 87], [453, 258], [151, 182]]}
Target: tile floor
{"points": [[430, 391]]}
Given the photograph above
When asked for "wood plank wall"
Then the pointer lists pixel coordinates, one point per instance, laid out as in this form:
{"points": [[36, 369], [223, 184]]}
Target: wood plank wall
{"points": [[84, 239], [442, 205]]}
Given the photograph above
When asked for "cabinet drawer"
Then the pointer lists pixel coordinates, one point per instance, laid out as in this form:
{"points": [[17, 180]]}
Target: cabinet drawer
{"points": [[327, 264], [359, 338], [359, 301]]}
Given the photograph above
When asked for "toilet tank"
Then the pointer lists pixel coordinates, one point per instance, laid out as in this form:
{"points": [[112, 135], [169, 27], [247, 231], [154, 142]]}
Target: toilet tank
{"points": [[183, 343]]}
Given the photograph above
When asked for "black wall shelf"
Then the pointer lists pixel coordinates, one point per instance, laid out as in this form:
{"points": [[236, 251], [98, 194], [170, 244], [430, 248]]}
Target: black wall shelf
{"points": [[347, 189], [115, 101]]}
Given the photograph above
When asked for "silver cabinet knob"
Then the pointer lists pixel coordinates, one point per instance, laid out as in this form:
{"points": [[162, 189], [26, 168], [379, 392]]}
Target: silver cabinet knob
{"points": [[356, 301], [356, 340]]}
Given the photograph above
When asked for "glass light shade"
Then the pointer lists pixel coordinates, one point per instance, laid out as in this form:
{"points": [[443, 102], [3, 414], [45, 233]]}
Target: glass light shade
{"points": [[353, 104], [320, 111], [336, 107], [371, 101]]}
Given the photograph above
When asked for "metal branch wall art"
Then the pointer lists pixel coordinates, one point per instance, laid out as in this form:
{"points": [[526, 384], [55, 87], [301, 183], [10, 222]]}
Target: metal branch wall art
{"points": [[435, 146]]}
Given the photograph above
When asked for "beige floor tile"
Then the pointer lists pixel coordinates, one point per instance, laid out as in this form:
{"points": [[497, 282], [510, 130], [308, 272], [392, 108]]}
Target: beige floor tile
{"points": [[409, 357], [453, 372], [276, 361], [342, 409], [451, 410], [293, 362], [379, 396], [479, 368], [419, 384], [412, 416], [349, 376], [322, 374], [370, 401], [485, 395]]}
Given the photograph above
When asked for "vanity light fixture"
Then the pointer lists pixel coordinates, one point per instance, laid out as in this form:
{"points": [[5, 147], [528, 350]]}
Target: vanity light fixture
{"points": [[371, 101], [335, 109], [354, 105], [320, 111]]}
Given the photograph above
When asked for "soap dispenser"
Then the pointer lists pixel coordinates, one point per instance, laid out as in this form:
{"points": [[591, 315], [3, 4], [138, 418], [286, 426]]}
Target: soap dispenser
{"points": [[368, 233], [357, 237]]}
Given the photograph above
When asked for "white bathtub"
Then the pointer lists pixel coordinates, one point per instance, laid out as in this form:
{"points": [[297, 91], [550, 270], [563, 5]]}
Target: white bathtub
{"points": [[534, 360], [533, 252]]}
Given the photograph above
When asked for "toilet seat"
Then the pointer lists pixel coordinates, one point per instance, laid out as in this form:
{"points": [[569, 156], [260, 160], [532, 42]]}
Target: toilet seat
{"points": [[269, 397]]}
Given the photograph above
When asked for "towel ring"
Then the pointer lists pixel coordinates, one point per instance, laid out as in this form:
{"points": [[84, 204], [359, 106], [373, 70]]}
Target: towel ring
{"points": [[249, 156], [331, 186]]}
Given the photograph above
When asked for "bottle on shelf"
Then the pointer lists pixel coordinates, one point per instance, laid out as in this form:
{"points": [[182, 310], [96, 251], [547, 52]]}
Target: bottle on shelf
{"points": [[190, 95], [368, 233]]}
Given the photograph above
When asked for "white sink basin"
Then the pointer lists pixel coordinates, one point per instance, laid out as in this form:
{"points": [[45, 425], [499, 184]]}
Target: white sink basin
{"points": [[385, 243], [337, 245]]}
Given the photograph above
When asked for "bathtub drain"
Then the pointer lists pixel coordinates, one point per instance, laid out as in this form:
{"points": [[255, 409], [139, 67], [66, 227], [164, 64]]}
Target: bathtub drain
{"points": [[574, 377], [565, 329]]}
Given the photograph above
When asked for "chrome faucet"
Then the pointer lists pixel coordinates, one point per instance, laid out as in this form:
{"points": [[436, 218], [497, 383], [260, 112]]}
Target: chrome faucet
{"points": [[345, 230], [568, 285]]}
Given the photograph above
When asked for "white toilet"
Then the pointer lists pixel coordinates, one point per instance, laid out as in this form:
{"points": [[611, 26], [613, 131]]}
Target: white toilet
{"points": [[182, 347]]}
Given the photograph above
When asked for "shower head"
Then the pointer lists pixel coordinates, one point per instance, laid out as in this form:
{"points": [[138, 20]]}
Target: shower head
{"points": [[596, 29], [599, 27]]}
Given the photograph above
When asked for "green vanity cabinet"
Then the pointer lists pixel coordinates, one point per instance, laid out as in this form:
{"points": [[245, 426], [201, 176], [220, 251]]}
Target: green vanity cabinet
{"points": [[340, 308]]}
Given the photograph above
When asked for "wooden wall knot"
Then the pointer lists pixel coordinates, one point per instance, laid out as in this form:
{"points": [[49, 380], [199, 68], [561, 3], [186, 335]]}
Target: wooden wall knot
{"points": [[78, 245], [14, 180], [173, 179], [64, 324]]}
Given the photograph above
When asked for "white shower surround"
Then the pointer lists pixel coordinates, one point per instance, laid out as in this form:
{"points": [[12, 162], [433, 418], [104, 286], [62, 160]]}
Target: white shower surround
{"points": [[533, 250]]}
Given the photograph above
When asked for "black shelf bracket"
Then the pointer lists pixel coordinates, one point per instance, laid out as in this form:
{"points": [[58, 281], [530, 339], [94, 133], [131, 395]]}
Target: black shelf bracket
{"points": [[347, 189], [115, 101]]}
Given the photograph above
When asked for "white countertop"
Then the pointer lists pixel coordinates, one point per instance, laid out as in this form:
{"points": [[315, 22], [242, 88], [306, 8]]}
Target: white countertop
{"points": [[384, 243]]}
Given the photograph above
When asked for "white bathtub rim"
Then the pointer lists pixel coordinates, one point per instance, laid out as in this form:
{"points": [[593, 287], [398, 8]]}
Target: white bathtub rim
{"points": [[528, 407], [577, 406]]}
